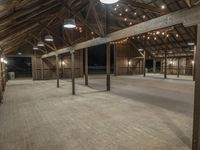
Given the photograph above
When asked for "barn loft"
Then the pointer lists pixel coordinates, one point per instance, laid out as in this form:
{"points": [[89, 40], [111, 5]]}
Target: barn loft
{"points": [[100, 75]]}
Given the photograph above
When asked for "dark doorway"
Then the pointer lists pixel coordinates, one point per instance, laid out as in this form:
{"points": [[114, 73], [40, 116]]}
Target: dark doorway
{"points": [[149, 65], [97, 59], [21, 66]]}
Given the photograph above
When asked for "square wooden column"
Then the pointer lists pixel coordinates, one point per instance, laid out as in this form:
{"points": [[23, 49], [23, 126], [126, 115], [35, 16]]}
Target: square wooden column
{"points": [[194, 64], [86, 66], [196, 122], [1, 91], [108, 66], [42, 69], [165, 69], [115, 59], [3, 77], [154, 65], [72, 72], [57, 71], [178, 69], [144, 64]]}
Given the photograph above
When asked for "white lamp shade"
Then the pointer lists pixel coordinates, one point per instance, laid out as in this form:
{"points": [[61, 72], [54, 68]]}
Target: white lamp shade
{"points": [[2, 59], [69, 23], [140, 50], [5, 61], [191, 43], [40, 44], [35, 48], [48, 38], [109, 1]]}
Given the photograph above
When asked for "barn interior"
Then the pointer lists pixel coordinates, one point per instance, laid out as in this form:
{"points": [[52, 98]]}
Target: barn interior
{"points": [[100, 74]]}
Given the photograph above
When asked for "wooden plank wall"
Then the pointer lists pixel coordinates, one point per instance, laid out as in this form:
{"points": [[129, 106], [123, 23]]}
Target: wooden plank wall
{"points": [[49, 66], [124, 54], [186, 66], [66, 66]]}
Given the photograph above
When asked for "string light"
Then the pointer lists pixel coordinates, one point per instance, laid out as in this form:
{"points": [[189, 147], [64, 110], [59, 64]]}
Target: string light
{"points": [[158, 32], [135, 13], [130, 23], [177, 35], [126, 10], [125, 19], [143, 16], [124, 41], [193, 62], [120, 14], [163, 7]]}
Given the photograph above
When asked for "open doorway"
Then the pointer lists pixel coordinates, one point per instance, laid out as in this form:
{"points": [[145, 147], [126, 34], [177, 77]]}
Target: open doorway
{"points": [[21, 67], [150, 66], [97, 59]]}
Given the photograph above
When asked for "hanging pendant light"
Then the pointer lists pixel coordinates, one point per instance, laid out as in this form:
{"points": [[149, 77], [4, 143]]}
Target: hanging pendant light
{"points": [[2, 59], [109, 1], [35, 48], [40, 44], [48, 38], [5, 61], [69, 23]]}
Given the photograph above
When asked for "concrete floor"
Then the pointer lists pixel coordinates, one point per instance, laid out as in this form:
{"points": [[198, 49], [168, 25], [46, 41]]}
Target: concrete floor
{"points": [[161, 76], [138, 114]]}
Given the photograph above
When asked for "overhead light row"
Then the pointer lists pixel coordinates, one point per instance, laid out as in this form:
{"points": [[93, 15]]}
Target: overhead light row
{"points": [[68, 23]]}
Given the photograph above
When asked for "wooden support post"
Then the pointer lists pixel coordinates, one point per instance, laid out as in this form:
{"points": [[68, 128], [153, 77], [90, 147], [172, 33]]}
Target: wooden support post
{"points": [[61, 66], [139, 67], [42, 69], [196, 122], [178, 69], [72, 73], [144, 64], [165, 71], [86, 66], [108, 66], [194, 64], [115, 60], [3, 77], [57, 71], [154, 65], [1, 91]]}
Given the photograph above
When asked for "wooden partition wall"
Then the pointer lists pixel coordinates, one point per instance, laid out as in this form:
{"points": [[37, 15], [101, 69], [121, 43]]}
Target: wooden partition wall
{"points": [[128, 61], [46, 68], [184, 65], [3, 79]]}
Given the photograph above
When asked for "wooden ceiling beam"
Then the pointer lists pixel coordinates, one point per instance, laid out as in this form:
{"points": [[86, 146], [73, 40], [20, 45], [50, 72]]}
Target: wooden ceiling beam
{"points": [[142, 6], [186, 16]]}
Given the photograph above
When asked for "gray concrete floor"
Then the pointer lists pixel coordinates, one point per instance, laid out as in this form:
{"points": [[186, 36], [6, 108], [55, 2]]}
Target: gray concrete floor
{"points": [[138, 114], [161, 76]]}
